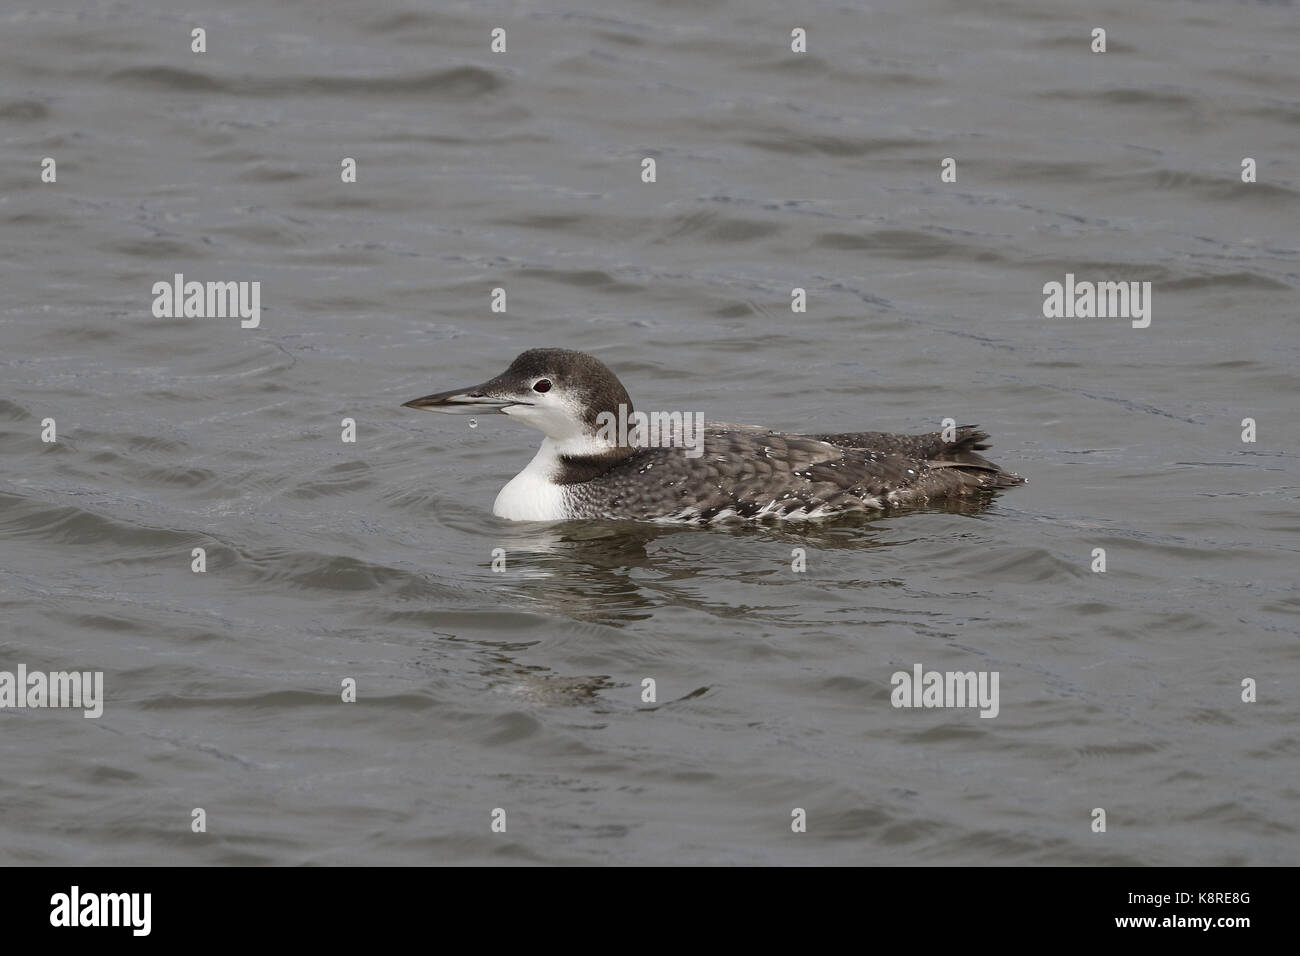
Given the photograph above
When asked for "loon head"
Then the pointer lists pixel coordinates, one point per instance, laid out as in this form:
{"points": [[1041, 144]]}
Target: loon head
{"points": [[560, 392]]}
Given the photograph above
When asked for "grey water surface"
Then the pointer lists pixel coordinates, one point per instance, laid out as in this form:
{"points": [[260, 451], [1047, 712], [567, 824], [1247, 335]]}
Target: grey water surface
{"points": [[522, 690]]}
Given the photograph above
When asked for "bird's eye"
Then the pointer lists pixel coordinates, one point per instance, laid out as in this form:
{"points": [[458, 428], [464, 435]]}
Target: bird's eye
{"points": [[544, 385]]}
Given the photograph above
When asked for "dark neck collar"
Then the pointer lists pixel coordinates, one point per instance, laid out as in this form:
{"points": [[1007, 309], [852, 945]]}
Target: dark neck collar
{"points": [[575, 469]]}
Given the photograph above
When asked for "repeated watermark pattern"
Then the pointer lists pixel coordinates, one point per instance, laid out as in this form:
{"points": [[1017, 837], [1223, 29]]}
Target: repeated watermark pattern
{"points": [[653, 430], [1073, 299], [1070, 297], [36, 689], [208, 300], [955, 689]]}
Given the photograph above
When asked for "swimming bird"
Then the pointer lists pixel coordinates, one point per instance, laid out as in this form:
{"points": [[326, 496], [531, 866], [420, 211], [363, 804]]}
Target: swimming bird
{"points": [[592, 465]]}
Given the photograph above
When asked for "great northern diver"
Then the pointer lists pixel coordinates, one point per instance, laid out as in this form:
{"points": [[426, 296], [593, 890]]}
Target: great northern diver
{"points": [[586, 470]]}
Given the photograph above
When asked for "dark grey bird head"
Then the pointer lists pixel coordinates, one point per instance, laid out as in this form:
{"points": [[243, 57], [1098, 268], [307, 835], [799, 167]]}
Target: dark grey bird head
{"points": [[559, 391]]}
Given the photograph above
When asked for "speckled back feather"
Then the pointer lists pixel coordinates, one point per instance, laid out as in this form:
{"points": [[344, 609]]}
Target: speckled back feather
{"points": [[749, 472]]}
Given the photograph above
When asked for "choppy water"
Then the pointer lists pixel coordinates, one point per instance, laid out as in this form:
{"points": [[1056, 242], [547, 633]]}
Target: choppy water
{"points": [[522, 690]]}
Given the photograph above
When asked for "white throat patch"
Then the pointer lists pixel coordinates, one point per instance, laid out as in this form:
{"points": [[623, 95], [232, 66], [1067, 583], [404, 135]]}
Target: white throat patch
{"points": [[533, 495]]}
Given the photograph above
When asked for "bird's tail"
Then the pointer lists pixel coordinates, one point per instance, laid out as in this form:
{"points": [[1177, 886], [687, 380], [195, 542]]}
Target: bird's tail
{"points": [[963, 453]]}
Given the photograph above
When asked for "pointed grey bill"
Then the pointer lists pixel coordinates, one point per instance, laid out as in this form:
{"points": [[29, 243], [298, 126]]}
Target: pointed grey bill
{"points": [[463, 401]]}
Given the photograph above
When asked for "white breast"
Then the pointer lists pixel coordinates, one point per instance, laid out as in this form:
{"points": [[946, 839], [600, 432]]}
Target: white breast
{"points": [[531, 495]]}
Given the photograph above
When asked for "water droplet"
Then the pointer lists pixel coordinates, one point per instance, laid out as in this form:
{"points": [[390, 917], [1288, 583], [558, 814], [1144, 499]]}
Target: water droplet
{"points": [[473, 423]]}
